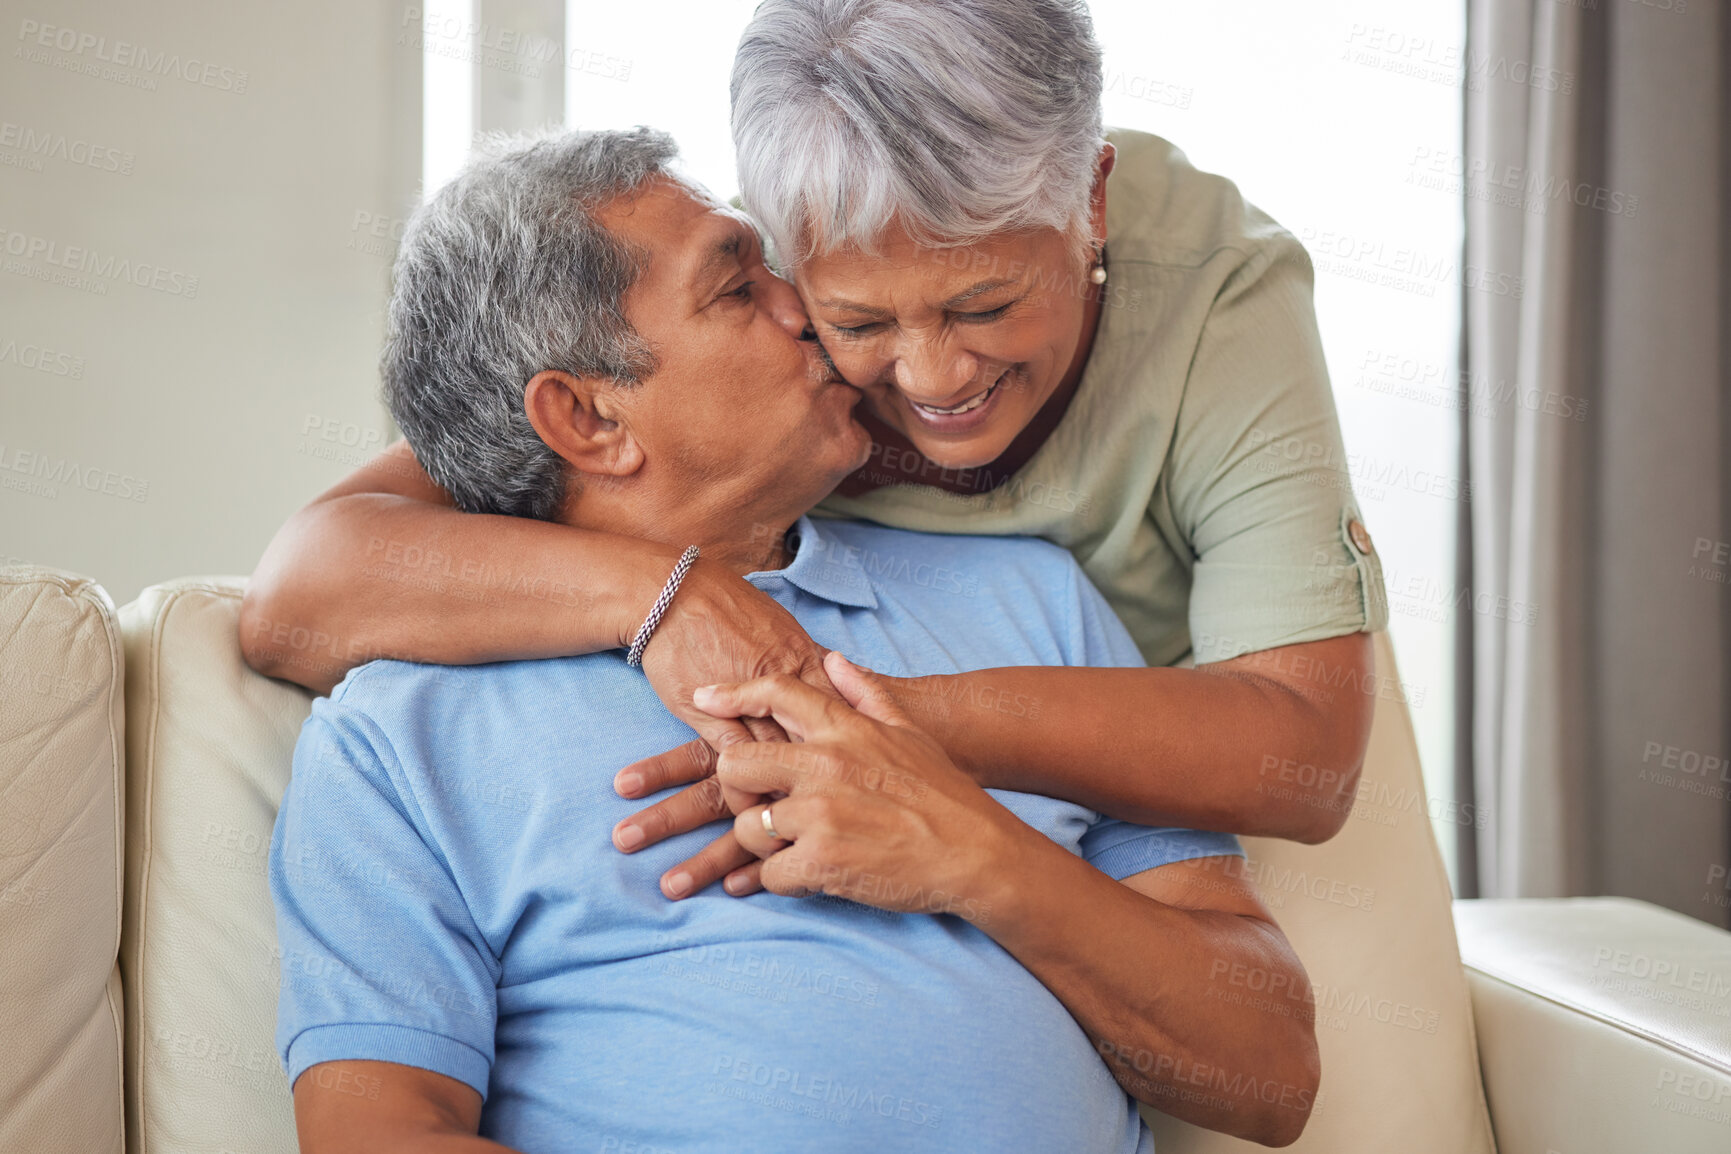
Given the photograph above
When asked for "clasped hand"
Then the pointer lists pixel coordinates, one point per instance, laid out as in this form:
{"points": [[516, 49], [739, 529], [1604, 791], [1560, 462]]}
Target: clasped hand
{"points": [[863, 805]]}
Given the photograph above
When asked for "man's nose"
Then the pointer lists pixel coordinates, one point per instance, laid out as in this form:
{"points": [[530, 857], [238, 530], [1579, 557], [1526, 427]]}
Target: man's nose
{"points": [[783, 305]]}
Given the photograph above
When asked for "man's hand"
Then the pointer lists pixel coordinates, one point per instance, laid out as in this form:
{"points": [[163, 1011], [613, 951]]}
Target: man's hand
{"points": [[866, 806], [720, 628]]}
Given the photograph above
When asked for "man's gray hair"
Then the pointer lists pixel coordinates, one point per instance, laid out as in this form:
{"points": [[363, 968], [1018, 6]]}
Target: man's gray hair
{"points": [[953, 118], [502, 274]]}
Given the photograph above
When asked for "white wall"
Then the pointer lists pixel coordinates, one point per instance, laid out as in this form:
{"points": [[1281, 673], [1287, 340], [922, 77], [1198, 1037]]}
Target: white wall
{"points": [[235, 145]]}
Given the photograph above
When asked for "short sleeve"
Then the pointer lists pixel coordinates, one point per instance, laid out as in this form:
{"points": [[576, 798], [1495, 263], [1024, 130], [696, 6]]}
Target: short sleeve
{"points": [[1119, 849], [1258, 476], [380, 957]]}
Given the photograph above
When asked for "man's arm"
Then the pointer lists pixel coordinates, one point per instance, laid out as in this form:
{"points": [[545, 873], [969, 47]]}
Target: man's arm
{"points": [[872, 810], [1145, 966], [384, 1108], [369, 918]]}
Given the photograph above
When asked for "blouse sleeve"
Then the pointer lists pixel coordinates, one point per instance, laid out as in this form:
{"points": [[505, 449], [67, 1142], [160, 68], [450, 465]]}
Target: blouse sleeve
{"points": [[1257, 475]]}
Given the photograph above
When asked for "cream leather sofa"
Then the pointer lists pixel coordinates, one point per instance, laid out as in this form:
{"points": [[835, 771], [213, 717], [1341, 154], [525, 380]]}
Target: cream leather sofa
{"points": [[1573, 1027]]}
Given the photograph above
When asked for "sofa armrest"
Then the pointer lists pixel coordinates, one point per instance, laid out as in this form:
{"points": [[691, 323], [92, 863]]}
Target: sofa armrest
{"points": [[1604, 1025]]}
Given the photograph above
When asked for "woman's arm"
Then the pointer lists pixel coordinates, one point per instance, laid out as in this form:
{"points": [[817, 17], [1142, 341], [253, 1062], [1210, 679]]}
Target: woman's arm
{"points": [[384, 565], [1269, 744], [1266, 745], [1141, 965]]}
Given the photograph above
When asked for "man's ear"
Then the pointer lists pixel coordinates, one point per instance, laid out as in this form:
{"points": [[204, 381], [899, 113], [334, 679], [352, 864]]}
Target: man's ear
{"points": [[577, 419], [1097, 198]]}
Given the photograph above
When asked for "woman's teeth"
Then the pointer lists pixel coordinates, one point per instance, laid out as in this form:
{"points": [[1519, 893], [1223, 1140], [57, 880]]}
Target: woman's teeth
{"points": [[965, 407]]}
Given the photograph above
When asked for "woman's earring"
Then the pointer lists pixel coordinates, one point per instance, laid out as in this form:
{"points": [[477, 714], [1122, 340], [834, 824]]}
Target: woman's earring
{"points": [[1097, 274]]}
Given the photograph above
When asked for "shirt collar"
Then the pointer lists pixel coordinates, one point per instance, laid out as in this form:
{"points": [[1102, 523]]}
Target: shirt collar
{"points": [[825, 567]]}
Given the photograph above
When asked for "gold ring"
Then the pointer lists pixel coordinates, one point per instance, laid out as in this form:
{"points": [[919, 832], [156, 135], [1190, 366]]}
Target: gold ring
{"points": [[769, 826]]}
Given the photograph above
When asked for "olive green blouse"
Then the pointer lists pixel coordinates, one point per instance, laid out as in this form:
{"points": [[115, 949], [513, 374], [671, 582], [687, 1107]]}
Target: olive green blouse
{"points": [[1198, 474]]}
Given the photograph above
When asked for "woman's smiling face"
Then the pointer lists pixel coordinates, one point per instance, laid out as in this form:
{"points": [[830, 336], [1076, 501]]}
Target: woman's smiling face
{"points": [[955, 348]]}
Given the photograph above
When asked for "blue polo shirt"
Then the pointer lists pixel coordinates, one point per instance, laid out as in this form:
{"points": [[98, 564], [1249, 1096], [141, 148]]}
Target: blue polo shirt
{"points": [[448, 897]]}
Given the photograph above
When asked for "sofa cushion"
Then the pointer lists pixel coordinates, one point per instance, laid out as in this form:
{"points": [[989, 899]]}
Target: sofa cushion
{"points": [[1369, 914], [61, 749], [209, 745]]}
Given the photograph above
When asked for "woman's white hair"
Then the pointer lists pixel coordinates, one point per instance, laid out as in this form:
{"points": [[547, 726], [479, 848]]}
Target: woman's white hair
{"points": [[954, 119]]}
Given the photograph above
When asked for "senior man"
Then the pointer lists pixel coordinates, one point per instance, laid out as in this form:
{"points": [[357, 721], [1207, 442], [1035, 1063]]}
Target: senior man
{"points": [[467, 962]]}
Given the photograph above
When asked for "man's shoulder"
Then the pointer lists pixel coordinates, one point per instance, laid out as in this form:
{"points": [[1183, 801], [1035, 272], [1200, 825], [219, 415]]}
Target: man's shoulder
{"points": [[397, 695], [380, 687]]}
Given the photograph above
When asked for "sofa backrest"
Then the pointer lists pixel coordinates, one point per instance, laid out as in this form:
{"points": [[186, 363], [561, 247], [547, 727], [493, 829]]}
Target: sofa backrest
{"points": [[61, 762], [1369, 914], [208, 746]]}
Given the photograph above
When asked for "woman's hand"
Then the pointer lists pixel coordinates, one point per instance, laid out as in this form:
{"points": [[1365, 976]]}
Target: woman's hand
{"points": [[710, 800], [870, 808]]}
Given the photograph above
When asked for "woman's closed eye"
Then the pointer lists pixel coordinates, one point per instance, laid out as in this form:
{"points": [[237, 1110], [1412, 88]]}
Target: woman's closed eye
{"points": [[979, 318], [985, 317]]}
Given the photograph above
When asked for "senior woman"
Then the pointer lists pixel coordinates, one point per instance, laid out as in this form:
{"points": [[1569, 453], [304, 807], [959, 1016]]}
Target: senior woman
{"points": [[1057, 331]]}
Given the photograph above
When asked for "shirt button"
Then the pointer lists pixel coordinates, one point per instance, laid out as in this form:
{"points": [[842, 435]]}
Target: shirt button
{"points": [[1360, 536]]}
